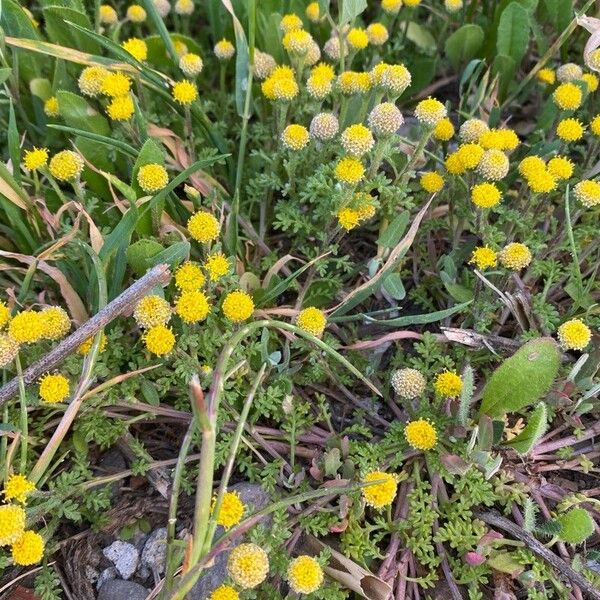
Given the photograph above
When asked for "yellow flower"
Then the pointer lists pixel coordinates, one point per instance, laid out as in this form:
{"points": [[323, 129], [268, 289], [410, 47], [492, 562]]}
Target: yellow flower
{"points": [[469, 155], [569, 72], [444, 130], [224, 592], [238, 306], [35, 159], [350, 82], [448, 384], [591, 81], [471, 130], [570, 130], [312, 12], [248, 565], [593, 60], [191, 64], [108, 15], [4, 314], [285, 89], [26, 327], [412, 2], [394, 79], [180, 47], [377, 33], [313, 320], [91, 79], [574, 335], [324, 126], [453, 164], [485, 195], [203, 227], [56, 322], [567, 96], [348, 218], [18, 487], [560, 167], [494, 165], [189, 277], [531, 165], [137, 48], [297, 41], [51, 108], [152, 178], [9, 349], [192, 306], [304, 575], [290, 22], [86, 346], [54, 388], [28, 549], [588, 192], [136, 14], [318, 86], [349, 170], [231, 511], [515, 256], [541, 182], [499, 139], [66, 165], [385, 119], [420, 434], [159, 340], [431, 182], [224, 49], [379, 495], [453, 5], [295, 137], [547, 76], [391, 6], [121, 108], [430, 112], [152, 310], [185, 92], [263, 64], [357, 38], [12, 523], [357, 140], [408, 383], [484, 258], [217, 266], [184, 7], [116, 84]]}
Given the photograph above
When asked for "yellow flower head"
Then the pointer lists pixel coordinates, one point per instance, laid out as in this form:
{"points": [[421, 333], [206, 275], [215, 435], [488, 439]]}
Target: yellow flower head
{"points": [[248, 565], [546, 76], [224, 592], [12, 523], [357, 38], [412, 3], [18, 487], [51, 108], [297, 41], [290, 22], [203, 227], [431, 182], [471, 130], [283, 89], [152, 178], [570, 130], [312, 12], [263, 64], [108, 15], [91, 79], [453, 164], [318, 86], [136, 47], [192, 306], [430, 112], [184, 7], [4, 314], [560, 167], [420, 434], [499, 139], [349, 170], [453, 6], [485, 195], [159, 340], [136, 14], [152, 310], [515, 256], [588, 192], [9, 349], [324, 126], [593, 60], [238, 306], [408, 383], [381, 494], [35, 159], [304, 575], [591, 81], [484, 258], [224, 49], [295, 137], [191, 64], [313, 320], [394, 79], [216, 266], [189, 277], [121, 108], [322, 70], [469, 155], [87, 345], [181, 48], [348, 218], [444, 130], [541, 182], [531, 165], [185, 92], [352, 82], [574, 335], [391, 6], [569, 72], [595, 125], [385, 119], [357, 140], [115, 84], [494, 165], [231, 511], [28, 549], [56, 322], [66, 165], [448, 384], [377, 34], [54, 388], [26, 327], [567, 96]]}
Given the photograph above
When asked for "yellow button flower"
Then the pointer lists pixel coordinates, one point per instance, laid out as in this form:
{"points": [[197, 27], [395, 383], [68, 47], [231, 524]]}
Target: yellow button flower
{"points": [[203, 227], [515, 256], [54, 388], [304, 575], [420, 434], [248, 565], [35, 159], [574, 335], [159, 340], [381, 494], [28, 549], [448, 384], [238, 306], [313, 320]]}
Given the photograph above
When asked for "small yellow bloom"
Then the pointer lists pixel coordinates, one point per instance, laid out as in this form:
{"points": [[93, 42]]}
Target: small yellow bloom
{"points": [[203, 227], [381, 494], [4, 314], [56, 322], [515, 256], [469, 155], [54, 388], [570, 130], [312, 12], [541, 182], [574, 335], [494, 165], [304, 575], [121, 108], [189, 277], [136, 13], [531, 165], [184, 7], [152, 178], [191, 64], [560, 167], [348, 218], [357, 38], [51, 108], [26, 327], [471, 130], [567, 96], [35, 159], [290, 22], [238, 306], [217, 266], [108, 15], [431, 182], [224, 49], [591, 81], [185, 92], [394, 79], [295, 137], [248, 565], [115, 84], [349, 170], [224, 592], [444, 130], [152, 310], [485, 195], [12, 523], [297, 41], [448, 384], [588, 192], [547, 76], [66, 165], [420, 434], [378, 34], [18, 487], [430, 112], [192, 306], [313, 320], [231, 511], [137, 48], [159, 340], [86, 346], [91, 79], [28, 549], [484, 258], [357, 140], [391, 6]]}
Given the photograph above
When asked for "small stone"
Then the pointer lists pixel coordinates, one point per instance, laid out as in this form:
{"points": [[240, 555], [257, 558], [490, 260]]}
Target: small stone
{"points": [[154, 554], [106, 575], [117, 589], [124, 556]]}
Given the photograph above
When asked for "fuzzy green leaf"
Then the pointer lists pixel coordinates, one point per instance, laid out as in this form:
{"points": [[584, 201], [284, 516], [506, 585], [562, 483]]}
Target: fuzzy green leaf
{"points": [[513, 32], [575, 526], [77, 113], [533, 431], [464, 44]]}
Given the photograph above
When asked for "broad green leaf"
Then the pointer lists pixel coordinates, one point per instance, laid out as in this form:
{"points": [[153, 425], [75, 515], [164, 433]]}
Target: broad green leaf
{"points": [[121, 232], [505, 68], [464, 44], [172, 256], [513, 32], [522, 379], [58, 33], [4, 74], [560, 13], [533, 431], [161, 28], [77, 113], [394, 231], [420, 36], [158, 54], [505, 563], [421, 319], [351, 9], [40, 87]]}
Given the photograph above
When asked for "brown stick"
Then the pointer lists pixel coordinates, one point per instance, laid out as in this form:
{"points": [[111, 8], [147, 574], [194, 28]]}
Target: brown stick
{"points": [[122, 303], [496, 520]]}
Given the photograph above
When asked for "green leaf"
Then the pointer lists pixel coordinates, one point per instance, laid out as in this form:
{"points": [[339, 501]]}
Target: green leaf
{"points": [[505, 68], [160, 26], [575, 526], [533, 431], [4, 74], [158, 54], [78, 113], [505, 563], [395, 230], [522, 379], [41, 88], [172, 256], [421, 319], [513, 32], [54, 19], [14, 148], [122, 232], [113, 143], [351, 9], [420, 36], [560, 13], [394, 287], [464, 44]]}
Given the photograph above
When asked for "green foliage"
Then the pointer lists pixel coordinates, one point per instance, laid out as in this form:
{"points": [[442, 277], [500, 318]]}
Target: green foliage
{"points": [[575, 526]]}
